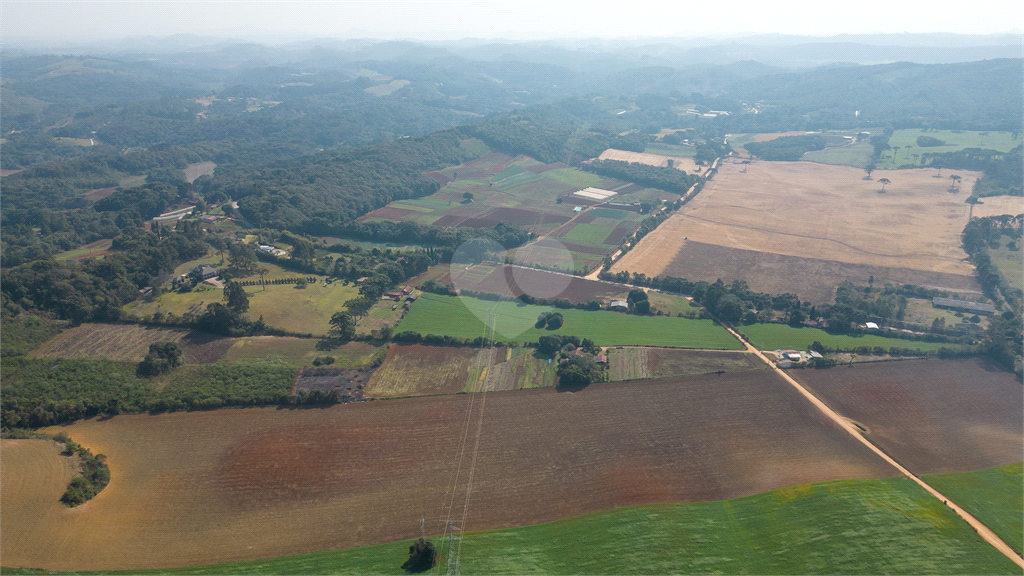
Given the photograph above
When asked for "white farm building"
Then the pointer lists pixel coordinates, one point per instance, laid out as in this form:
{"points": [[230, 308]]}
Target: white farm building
{"points": [[595, 194]]}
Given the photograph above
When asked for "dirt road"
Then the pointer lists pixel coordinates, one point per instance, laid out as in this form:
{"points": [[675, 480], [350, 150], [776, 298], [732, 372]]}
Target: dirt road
{"points": [[980, 528]]}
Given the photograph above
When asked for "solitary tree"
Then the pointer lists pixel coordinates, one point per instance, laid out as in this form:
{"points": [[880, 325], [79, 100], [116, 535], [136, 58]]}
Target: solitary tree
{"points": [[468, 196], [262, 271], [883, 182], [895, 153], [421, 556], [236, 298], [869, 169], [343, 326], [956, 181]]}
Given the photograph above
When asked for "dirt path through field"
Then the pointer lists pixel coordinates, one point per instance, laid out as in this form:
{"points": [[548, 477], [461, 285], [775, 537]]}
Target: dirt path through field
{"points": [[845, 424]]}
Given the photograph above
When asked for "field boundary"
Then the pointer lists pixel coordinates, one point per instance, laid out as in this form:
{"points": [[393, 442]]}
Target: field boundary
{"points": [[984, 531]]}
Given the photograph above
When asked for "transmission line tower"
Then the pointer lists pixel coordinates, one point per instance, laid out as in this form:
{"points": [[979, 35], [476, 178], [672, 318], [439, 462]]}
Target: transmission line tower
{"points": [[450, 536]]}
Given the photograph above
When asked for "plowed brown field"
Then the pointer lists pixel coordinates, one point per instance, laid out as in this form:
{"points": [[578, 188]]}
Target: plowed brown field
{"points": [[815, 211], [932, 416], [203, 487], [416, 370], [678, 162]]}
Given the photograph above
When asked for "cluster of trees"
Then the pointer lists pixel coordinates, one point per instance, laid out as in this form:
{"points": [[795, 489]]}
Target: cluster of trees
{"points": [[95, 475], [668, 179], [977, 237], [786, 148], [1004, 171], [46, 392], [550, 320], [929, 141], [709, 150], [162, 358]]}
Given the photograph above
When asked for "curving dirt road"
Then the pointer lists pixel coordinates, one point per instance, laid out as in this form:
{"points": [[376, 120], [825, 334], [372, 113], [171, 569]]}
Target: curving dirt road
{"points": [[982, 530]]}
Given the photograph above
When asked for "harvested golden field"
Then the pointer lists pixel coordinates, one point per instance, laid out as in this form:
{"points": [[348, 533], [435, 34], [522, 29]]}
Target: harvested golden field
{"points": [[678, 162], [415, 370], [773, 135], [35, 476], [817, 212], [996, 205], [130, 342], [201, 487]]}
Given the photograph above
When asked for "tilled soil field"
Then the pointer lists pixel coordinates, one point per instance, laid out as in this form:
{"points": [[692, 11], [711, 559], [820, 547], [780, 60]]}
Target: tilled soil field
{"points": [[415, 370], [932, 416], [130, 342], [203, 487]]}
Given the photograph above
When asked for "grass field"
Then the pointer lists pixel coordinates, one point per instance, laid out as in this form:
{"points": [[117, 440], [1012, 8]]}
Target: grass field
{"points": [[671, 304], [589, 233], [954, 139], [461, 317], [670, 150], [846, 527], [638, 363], [815, 212], [1010, 263], [856, 155], [921, 311], [679, 161], [781, 336], [414, 370], [97, 248], [281, 305], [191, 488], [994, 496]]}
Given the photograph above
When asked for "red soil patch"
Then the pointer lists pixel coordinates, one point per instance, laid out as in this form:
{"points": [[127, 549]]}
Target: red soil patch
{"points": [[99, 193], [585, 218], [933, 416], [203, 487], [616, 236], [630, 189]]}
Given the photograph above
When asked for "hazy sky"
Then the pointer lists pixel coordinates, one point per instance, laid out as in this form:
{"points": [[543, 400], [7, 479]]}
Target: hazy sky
{"points": [[81, 21]]}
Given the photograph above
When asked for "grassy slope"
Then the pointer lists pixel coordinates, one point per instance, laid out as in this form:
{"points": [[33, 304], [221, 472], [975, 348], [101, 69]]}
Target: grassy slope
{"points": [[850, 527], [955, 140], [1010, 264], [857, 155], [996, 497], [776, 336], [454, 316]]}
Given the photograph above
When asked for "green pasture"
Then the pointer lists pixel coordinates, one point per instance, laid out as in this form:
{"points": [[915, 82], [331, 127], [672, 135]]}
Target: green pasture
{"points": [[105, 245], [671, 304], [573, 177], [954, 139], [889, 526], [461, 317], [610, 213], [1010, 263], [995, 497], [781, 336], [589, 233], [856, 155]]}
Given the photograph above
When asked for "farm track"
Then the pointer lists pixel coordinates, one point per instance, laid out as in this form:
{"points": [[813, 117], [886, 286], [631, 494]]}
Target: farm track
{"points": [[987, 534]]}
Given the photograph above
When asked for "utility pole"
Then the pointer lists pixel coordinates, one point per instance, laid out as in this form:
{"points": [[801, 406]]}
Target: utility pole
{"points": [[450, 536]]}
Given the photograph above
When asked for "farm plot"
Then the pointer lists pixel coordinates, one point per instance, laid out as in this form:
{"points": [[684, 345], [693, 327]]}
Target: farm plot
{"points": [[202, 487], [1009, 263], [517, 280], [130, 342], [806, 211], [95, 249], [995, 496], [782, 336], [416, 370], [684, 163], [638, 363], [844, 527], [461, 317], [933, 416]]}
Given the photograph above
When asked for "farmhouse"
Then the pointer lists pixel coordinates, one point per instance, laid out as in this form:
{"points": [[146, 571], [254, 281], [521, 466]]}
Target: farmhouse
{"points": [[267, 249], [205, 272], [595, 194], [619, 306], [396, 296], [600, 359], [964, 305]]}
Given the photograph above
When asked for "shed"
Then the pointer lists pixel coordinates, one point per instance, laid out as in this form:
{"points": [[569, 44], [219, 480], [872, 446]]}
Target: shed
{"points": [[965, 305], [601, 359], [619, 305], [816, 354], [871, 325]]}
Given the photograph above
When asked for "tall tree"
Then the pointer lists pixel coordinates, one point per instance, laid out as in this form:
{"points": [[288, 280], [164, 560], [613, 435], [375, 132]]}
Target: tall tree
{"points": [[343, 326], [883, 182], [236, 298]]}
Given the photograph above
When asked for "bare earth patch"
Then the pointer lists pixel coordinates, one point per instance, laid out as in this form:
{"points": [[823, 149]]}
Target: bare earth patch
{"points": [[814, 211], [932, 416], [193, 171], [130, 342], [201, 487], [678, 162]]}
